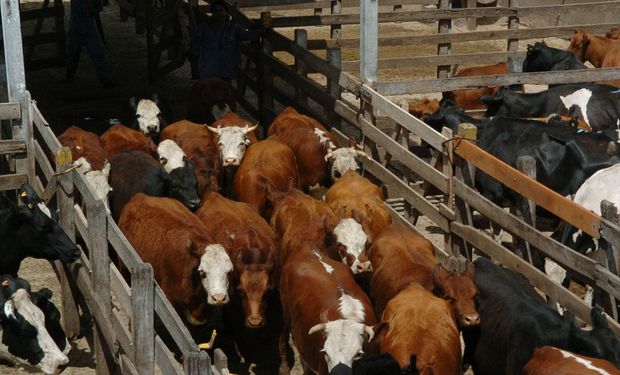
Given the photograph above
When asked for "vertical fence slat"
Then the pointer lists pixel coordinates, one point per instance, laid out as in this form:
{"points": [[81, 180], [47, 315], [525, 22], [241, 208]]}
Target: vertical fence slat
{"points": [[514, 63], [301, 39], [444, 26], [527, 208], [369, 43], [142, 329], [334, 57], [197, 363]]}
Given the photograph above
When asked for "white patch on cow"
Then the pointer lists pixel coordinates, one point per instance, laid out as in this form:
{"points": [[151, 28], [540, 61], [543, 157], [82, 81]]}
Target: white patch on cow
{"points": [[214, 267], [589, 295], [576, 235], [554, 271], [323, 139], [343, 159], [9, 310], [83, 165], [351, 235], [329, 269], [584, 362], [98, 181], [344, 340], [351, 308], [580, 98], [218, 112], [147, 113], [53, 357], [233, 141], [171, 155], [44, 209]]}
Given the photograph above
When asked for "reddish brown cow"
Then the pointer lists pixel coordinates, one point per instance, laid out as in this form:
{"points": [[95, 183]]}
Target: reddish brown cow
{"points": [[549, 360], [400, 257], [600, 51], [267, 164], [250, 244], [232, 119], [613, 33], [84, 144], [209, 98], [120, 138], [421, 325], [469, 99], [420, 108], [200, 147], [183, 254], [328, 314]]}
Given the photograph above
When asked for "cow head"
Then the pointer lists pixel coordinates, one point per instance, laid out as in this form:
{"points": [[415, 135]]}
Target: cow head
{"points": [[459, 289], [43, 299], [498, 104], [24, 329], [233, 141], [148, 115], [97, 179], [254, 269], [448, 115], [179, 175], [344, 159], [344, 341], [579, 43], [600, 342], [352, 241], [613, 33], [29, 197], [38, 236], [214, 267]]}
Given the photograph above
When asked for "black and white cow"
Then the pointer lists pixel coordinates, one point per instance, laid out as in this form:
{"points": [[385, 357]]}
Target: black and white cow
{"points": [[135, 172], [541, 58], [515, 320], [30, 231], [599, 105], [30, 327], [149, 115]]}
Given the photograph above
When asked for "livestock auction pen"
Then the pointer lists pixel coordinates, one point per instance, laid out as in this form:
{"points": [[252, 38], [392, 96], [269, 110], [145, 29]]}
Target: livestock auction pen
{"points": [[437, 192]]}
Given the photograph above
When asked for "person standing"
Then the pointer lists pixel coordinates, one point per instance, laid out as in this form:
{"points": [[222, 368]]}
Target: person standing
{"points": [[83, 33]]}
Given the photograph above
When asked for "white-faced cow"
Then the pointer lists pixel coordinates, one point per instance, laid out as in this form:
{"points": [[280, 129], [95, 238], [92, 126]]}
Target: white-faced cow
{"points": [[149, 118], [234, 136]]}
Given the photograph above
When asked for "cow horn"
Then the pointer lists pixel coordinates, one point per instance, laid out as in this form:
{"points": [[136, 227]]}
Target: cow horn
{"points": [[329, 155], [362, 153], [316, 328], [369, 331], [214, 130], [249, 130]]}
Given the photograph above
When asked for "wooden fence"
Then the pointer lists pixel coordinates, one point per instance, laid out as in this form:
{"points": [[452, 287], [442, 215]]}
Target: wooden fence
{"points": [[45, 14], [123, 309]]}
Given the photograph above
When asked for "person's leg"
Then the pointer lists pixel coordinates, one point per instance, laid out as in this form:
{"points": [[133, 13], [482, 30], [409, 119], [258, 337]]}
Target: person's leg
{"points": [[74, 49], [94, 46]]}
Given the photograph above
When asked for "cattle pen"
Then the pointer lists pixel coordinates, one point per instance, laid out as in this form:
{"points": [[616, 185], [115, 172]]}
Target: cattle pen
{"points": [[124, 314]]}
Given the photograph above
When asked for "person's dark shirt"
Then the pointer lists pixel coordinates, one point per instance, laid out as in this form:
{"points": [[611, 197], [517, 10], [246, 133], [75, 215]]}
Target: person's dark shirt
{"points": [[84, 10]]}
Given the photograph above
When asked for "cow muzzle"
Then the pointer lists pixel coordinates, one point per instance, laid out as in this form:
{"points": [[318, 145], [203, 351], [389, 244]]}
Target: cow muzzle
{"points": [[362, 267], [341, 369], [218, 299], [254, 322], [471, 320], [229, 162]]}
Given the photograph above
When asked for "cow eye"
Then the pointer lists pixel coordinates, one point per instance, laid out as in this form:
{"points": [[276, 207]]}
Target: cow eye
{"points": [[221, 143], [138, 115], [202, 273], [337, 174], [159, 115], [241, 144]]}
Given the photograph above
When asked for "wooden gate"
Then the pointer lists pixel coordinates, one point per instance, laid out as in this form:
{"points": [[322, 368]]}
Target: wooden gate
{"points": [[42, 34]]}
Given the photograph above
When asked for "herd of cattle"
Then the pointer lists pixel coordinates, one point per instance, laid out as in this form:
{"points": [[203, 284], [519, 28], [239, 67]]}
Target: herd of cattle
{"points": [[282, 237]]}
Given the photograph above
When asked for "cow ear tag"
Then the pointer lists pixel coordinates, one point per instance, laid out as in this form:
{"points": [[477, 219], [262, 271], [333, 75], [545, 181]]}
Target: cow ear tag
{"points": [[24, 194]]}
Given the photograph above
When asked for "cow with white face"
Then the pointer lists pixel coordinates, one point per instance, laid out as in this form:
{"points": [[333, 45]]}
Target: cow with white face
{"points": [[344, 159], [352, 242], [149, 118], [97, 179], [215, 265], [180, 173], [31, 338], [233, 141]]}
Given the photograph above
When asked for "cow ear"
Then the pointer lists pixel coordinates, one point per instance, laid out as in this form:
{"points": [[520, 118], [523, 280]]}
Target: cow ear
{"points": [[132, 103], [163, 161], [380, 330], [440, 275], [598, 319], [490, 99], [155, 99]]}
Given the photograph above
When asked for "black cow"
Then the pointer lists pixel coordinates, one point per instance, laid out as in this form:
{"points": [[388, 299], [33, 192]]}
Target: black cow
{"points": [[135, 172], [30, 198], [29, 231], [599, 105], [541, 58], [30, 327], [381, 364], [514, 320]]}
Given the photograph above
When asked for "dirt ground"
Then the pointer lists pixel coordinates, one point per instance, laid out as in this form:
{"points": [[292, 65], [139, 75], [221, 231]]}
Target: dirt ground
{"points": [[64, 104]]}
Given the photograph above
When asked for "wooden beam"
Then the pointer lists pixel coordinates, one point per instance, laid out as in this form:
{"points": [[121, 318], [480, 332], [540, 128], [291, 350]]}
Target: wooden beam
{"points": [[10, 111], [12, 181], [12, 146]]}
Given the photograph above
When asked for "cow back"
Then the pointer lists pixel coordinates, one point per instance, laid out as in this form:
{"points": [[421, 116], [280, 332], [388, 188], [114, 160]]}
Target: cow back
{"points": [[550, 361], [200, 147], [84, 144], [203, 96], [468, 99], [399, 257], [120, 138], [266, 165], [421, 324]]}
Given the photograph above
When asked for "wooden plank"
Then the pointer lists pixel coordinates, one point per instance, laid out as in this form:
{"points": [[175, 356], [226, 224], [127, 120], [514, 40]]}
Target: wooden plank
{"points": [[369, 48], [512, 45], [535, 78], [44, 164], [396, 41], [123, 248], [541, 195], [463, 58], [142, 318], [564, 9], [173, 323], [10, 111], [120, 289], [197, 363], [44, 129], [127, 367], [610, 231], [165, 360], [82, 185], [537, 278], [12, 181], [443, 27], [305, 4], [121, 330], [561, 254]]}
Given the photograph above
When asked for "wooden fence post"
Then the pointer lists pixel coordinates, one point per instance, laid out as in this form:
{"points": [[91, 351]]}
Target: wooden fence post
{"points": [[100, 277], [70, 312], [197, 363], [472, 22], [266, 102], [301, 39], [462, 211], [514, 63], [526, 207], [334, 57], [142, 319], [609, 211], [444, 26], [369, 32]]}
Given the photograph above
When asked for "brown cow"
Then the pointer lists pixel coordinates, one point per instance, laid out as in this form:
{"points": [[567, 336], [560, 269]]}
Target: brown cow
{"points": [[400, 257], [548, 360], [209, 98], [183, 254], [420, 108], [88, 153], [267, 164], [469, 99], [421, 325], [120, 138], [328, 314], [250, 244], [600, 51], [200, 147], [319, 157]]}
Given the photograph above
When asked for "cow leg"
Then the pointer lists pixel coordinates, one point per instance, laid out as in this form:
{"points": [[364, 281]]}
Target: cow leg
{"points": [[282, 348]]}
